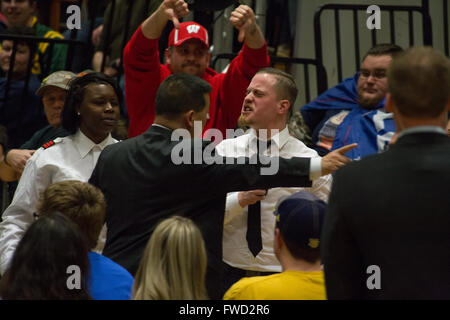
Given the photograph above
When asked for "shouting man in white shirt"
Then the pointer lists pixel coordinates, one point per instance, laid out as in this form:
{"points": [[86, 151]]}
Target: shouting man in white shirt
{"points": [[248, 226]]}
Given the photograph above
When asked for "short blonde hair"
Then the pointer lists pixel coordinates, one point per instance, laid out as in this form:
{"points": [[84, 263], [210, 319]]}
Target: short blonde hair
{"points": [[173, 266], [83, 203]]}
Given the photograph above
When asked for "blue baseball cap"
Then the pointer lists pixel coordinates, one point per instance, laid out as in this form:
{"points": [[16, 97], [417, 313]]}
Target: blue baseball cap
{"points": [[300, 218]]}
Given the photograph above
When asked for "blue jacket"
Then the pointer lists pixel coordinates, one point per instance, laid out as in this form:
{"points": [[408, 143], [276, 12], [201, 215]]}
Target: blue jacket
{"points": [[21, 113], [108, 280], [371, 129]]}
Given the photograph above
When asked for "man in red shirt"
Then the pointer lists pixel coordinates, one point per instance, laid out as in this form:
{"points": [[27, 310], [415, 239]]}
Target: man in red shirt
{"points": [[188, 52]]}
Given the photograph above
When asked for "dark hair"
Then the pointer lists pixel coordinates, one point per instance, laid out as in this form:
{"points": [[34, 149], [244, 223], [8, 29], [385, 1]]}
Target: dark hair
{"points": [[384, 49], [23, 31], [180, 93], [82, 202], [419, 82], [70, 119], [284, 86], [39, 268], [302, 252]]}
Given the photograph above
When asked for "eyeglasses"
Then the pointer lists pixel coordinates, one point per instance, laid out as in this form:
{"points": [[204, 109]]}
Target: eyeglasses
{"points": [[377, 74]]}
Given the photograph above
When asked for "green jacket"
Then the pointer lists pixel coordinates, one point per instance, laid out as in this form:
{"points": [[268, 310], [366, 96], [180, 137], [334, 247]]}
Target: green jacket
{"points": [[58, 61]]}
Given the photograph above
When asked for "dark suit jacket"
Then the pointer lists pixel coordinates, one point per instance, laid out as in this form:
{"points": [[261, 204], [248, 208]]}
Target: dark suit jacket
{"points": [[142, 186], [391, 210]]}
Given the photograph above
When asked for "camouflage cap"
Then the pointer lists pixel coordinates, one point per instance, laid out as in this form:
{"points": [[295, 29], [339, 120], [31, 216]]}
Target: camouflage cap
{"points": [[58, 79]]}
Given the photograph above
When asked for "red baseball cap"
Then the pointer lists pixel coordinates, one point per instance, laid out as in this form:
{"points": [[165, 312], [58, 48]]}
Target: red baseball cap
{"points": [[186, 31]]}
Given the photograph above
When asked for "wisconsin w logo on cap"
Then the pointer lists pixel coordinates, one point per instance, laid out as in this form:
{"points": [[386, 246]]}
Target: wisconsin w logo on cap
{"points": [[193, 28]]}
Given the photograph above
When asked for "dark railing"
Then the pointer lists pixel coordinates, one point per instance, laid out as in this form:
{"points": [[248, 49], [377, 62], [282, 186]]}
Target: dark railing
{"points": [[35, 41], [321, 75], [392, 10]]}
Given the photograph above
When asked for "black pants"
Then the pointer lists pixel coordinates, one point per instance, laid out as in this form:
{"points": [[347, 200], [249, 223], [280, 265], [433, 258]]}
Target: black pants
{"points": [[231, 275]]}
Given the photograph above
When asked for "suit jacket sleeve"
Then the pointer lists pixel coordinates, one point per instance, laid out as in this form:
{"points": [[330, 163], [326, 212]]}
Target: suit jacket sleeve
{"points": [[241, 174], [344, 277]]}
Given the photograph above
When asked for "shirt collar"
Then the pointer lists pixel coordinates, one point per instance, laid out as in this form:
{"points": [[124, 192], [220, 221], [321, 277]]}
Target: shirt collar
{"points": [[422, 129], [161, 126], [85, 145], [279, 139]]}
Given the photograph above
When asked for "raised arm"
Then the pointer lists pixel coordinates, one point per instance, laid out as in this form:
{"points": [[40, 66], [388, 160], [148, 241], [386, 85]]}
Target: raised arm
{"points": [[243, 19], [153, 26]]}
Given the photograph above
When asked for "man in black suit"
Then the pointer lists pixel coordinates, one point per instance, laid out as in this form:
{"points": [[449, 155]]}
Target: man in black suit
{"points": [[387, 230], [144, 182]]}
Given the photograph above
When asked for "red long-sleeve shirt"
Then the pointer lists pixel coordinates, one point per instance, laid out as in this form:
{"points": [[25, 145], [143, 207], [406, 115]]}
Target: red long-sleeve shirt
{"points": [[144, 73]]}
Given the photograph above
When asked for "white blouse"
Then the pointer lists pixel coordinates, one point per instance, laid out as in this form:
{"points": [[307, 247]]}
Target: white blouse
{"points": [[70, 158]]}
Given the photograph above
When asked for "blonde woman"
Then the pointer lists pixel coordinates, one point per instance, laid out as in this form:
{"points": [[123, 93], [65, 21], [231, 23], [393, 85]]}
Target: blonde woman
{"points": [[173, 266]]}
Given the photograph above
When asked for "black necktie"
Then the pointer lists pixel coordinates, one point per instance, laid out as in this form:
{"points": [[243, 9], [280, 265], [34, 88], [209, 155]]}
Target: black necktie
{"points": [[253, 235]]}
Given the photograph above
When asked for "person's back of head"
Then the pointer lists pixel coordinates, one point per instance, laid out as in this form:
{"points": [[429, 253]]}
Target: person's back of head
{"points": [[419, 83], [180, 93], [50, 248], [81, 202], [299, 219], [173, 265]]}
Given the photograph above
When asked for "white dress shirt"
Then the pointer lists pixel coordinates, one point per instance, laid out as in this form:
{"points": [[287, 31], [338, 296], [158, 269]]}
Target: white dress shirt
{"points": [[70, 158], [235, 247]]}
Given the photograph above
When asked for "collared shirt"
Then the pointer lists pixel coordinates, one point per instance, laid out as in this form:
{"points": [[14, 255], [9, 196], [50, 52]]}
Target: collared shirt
{"points": [[70, 158], [421, 129], [235, 247]]}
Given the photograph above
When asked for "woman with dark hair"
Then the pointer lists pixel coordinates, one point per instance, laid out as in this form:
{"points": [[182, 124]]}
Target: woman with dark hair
{"points": [[51, 251], [90, 114]]}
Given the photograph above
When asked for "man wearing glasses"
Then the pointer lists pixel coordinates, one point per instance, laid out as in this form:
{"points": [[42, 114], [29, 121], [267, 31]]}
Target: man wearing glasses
{"points": [[353, 111]]}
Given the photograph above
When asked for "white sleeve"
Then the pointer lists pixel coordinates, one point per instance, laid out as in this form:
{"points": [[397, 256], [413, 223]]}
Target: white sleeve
{"points": [[315, 168], [321, 187], [19, 215], [232, 207]]}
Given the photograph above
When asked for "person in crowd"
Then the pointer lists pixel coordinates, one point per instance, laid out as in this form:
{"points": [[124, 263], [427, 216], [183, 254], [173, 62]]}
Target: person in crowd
{"points": [[83, 53], [143, 180], [389, 239], [353, 111], [267, 108], [51, 252], [113, 45], [20, 110], [188, 52], [299, 220], [53, 91], [85, 205], [89, 115], [22, 14], [173, 265], [116, 31]]}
